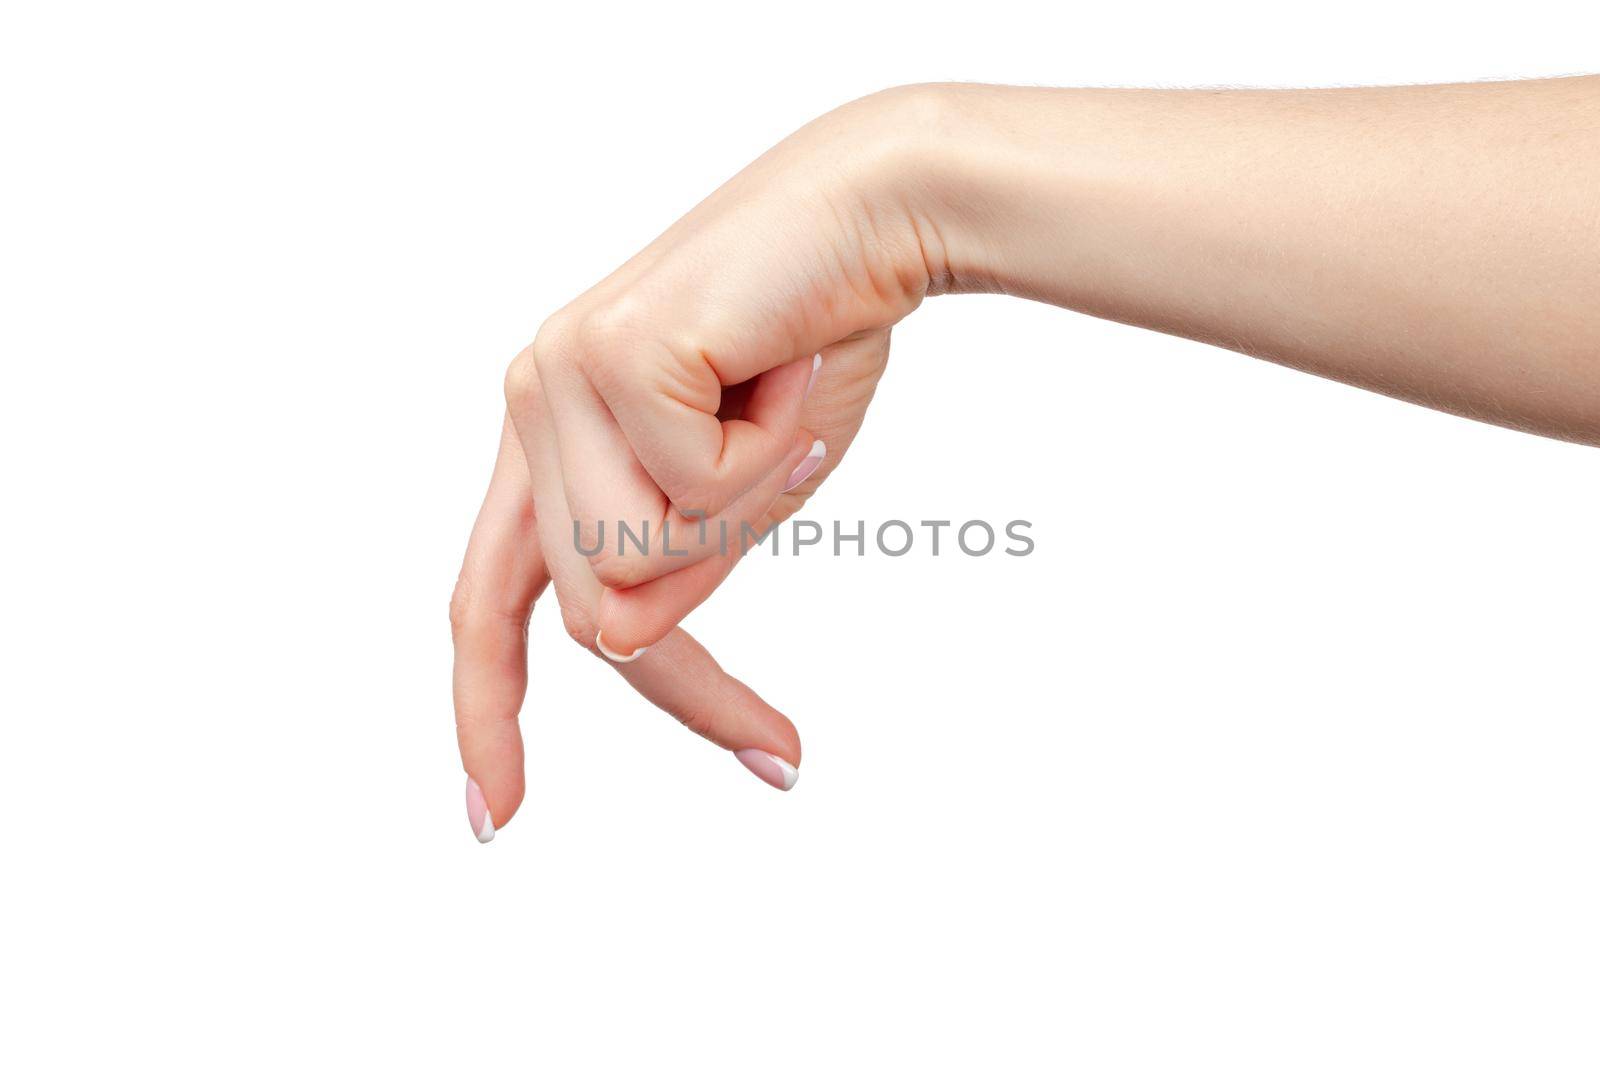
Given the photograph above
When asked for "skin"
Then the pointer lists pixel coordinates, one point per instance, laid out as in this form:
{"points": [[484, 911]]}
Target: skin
{"points": [[1440, 244]]}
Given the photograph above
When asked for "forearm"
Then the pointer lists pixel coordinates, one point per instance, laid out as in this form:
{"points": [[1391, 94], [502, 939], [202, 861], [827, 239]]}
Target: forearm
{"points": [[1438, 243]]}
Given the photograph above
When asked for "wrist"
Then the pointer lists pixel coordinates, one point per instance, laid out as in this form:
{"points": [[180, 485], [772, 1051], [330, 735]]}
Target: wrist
{"points": [[1021, 190], [966, 188], [966, 168]]}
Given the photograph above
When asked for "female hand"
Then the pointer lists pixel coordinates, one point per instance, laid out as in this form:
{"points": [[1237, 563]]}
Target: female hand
{"points": [[522, 542], [1432, 242], [507, 568], [710, 377], [739, 352]]}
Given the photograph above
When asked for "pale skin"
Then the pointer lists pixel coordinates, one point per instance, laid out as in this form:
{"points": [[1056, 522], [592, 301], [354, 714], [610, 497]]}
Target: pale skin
{"points": [[1437, 243]]}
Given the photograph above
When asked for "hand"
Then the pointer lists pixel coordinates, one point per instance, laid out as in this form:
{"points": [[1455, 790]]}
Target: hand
{"points": [[519, 546], [1316, 228], [789, 355], [678, 387]]}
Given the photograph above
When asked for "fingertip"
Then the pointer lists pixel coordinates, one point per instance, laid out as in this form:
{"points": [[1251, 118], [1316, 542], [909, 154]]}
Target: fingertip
{"points": [[479, 818], [807, 465], [614, 636], [777, 772], [763, 727], [682, 679], [615, 656], [492, 756], [783, 739]]}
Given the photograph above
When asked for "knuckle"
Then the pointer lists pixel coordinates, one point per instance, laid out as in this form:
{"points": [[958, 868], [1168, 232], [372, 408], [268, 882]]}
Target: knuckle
{"points": [[522, 382], [461, 609], [579, 626], [620, 316], [604, 341], [611, 339], [556, 339], [696, 718], [476, 618], [552, 346]]}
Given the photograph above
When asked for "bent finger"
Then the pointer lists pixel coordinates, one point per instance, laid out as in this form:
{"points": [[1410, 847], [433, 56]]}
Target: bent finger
{"points": [[639, 616], [678, 676], [669, 416]]}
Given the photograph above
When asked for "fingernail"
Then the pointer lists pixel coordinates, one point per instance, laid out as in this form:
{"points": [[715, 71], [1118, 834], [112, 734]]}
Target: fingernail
{"points": [[816, 365], [808, 465], [478, 813], [779, 774], [617, 657]]}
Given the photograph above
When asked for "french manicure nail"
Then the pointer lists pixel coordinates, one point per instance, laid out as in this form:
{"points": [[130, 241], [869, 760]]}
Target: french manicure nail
{"points": [[808, 465], [478, 813], [779, 774], [816, 365], [617, 657]]}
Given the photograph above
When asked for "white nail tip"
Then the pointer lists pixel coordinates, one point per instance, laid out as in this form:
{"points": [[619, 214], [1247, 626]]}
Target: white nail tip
{"points": [[790, 774], [807, 466], [599, 642], [762, 763], [486, 831]]}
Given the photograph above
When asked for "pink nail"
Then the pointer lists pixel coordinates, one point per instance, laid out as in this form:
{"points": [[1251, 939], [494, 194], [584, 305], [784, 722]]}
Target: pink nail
{"points": [[478, 813], [816, 365], [808, 465], [779, 774]]}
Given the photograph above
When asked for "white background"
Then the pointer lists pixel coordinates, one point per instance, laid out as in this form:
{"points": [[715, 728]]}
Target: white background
{"points": [[1281, 748]]}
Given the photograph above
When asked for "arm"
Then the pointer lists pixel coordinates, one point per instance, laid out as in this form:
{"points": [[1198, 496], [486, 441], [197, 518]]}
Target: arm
{"points": [[1437, 243]]}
